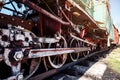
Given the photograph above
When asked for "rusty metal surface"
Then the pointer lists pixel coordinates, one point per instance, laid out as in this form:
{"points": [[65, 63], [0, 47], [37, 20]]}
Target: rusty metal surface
{"points": [[40, 10], [6, 19], [84, 13], [34, 53], [116, 36], [90, 25]]}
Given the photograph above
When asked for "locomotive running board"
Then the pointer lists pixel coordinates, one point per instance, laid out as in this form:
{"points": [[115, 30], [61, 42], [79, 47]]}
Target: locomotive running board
{"points": [[35, 53]]}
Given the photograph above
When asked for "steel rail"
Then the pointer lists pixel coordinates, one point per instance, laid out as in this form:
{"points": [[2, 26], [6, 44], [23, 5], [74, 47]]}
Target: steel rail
{"points": [[55, 71]]}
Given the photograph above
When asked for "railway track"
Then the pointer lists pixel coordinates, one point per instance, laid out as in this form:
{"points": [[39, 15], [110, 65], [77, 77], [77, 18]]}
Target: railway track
{"points": [[67, 69]]}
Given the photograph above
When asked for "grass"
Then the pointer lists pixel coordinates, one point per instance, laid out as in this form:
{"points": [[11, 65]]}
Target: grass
{"points": [[113, 60]]}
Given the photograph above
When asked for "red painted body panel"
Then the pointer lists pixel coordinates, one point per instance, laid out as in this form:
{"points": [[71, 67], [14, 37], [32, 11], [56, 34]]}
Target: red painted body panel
{"points": [[116, 36]]}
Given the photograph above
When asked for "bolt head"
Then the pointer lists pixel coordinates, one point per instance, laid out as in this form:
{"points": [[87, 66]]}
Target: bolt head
{"points": [[18, 55]]}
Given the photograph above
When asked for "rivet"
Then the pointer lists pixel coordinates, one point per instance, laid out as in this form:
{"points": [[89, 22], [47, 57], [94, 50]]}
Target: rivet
{"points": [[13, 19], [29, 23], [2, 17], [35, 24], [22, 21]]}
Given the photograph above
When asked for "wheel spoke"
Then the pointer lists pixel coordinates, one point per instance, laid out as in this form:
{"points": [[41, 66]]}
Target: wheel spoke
{"points": [[54, 60], [58, 60], [74, 56]]}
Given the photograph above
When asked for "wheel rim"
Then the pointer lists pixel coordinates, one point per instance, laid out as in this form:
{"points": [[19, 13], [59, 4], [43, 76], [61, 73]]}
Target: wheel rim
{"points": [[33, 67], [74, 56], [86, 53], [58, 61], [25, 68], [34, 63]]}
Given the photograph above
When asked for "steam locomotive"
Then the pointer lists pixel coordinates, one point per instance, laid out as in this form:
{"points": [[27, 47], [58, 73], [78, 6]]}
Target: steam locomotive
{"points": [[51, 31]]}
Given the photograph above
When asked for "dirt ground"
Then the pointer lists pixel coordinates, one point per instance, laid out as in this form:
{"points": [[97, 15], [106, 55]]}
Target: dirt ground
{"points": [[110, 75]]}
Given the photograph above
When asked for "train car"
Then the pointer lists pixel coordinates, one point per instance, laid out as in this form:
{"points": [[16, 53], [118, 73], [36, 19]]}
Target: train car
{"points": [[103, 18], [119, 40], [51, 31], [116, 37]]}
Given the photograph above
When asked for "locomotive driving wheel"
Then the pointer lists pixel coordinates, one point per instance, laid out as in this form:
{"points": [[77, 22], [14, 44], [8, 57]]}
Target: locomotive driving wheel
{"points": [[21, 68], [34, 65], [74, 56], [58, 61]]}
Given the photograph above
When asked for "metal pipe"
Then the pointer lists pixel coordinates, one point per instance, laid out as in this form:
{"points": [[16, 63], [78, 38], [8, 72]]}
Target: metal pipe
{"points": [[71, 23], [40, 10]]}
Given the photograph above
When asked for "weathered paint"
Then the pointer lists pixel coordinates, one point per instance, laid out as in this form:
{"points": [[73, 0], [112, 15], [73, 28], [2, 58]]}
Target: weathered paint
{"points": [[35, 53], [100, 12], [102, 15], [87, 5], [116, 36]]}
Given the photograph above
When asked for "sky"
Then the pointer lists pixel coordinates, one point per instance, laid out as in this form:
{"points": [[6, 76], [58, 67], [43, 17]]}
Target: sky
{"points": [[115, 12]]}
